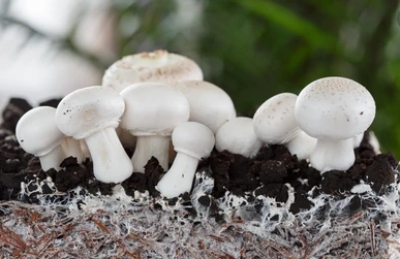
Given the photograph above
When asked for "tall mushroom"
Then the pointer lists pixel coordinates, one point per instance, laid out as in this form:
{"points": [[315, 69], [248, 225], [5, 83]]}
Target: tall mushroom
{"points": [[92, 114], [274, 123], [209, 104], [37, 134], [158, 66], [192, 141], [334, 110], [152, 112]]}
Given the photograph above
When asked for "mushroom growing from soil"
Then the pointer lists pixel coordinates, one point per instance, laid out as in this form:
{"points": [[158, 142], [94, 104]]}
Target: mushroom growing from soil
{"points": [[37, 134], [92, 114], [209, 104], [237, 136], [72, 147], [158, 66], [152, 112], [334, 110], [192, 141], [274, 123]]}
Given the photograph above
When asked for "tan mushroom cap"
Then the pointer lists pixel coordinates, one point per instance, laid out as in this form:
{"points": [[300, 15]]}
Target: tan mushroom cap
{"points": [[158, 66]]}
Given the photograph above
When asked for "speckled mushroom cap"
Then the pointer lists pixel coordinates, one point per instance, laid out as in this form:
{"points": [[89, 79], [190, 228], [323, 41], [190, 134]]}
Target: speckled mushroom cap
{"points": [[209, 104], [193, 139], [37, 132], [153, 108], [334, 107], [158, 66], [88, 110], [274, 120]]}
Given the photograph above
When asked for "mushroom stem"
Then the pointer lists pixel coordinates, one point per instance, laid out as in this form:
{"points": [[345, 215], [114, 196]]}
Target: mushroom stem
{"points": [[331, 154], [72, 148], [148, 146], [179, 177], [111, 164], [52, 159]]}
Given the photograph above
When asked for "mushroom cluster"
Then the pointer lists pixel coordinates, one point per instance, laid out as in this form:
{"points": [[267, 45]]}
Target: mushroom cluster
{"points": [[159, 98]]}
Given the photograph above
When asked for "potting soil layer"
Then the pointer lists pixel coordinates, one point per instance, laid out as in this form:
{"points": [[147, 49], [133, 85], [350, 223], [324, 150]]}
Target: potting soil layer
{"points": [[270, 206]]}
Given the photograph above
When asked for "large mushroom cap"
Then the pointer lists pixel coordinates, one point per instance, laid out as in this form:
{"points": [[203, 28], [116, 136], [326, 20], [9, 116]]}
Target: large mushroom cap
{"points": [[209, 104], [88, 110], [193, 139], [274, 120], [153, 108], [37, 132], [334, 107], [158, 66]]}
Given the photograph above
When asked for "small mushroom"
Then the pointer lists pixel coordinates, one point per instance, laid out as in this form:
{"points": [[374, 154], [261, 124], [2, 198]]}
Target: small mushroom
{"points": [[357, 139], [209, 104], [37, 134], [334, 110], [152, 112], [237, 136], [92, 114], [274, 123], [158, 66], [192, 141], [72, 147]]}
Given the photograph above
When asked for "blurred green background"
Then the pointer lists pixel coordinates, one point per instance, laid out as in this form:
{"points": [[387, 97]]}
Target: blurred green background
{"points": [[258, 48]]}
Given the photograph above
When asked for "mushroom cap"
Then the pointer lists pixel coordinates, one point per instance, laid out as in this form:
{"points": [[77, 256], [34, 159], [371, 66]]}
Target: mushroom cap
{"points": [[88, 110], [153, 108], [158, 66], [238, 137], [37, 132], [334, 107], [274, 120], [193, 139], [209, 104]]}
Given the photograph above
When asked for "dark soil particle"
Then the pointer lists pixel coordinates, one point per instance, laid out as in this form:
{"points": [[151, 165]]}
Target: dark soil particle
{"points": [[274, 173]]}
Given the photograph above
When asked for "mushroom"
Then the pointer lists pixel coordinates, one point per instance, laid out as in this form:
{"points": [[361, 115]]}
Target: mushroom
{"points": [[92, 114], [192, 141], [237, 136], [209, 104], [357, 139], [158, 66], [37, 134], [274, 123], [334, 110], [152, 112], [72, 147]]}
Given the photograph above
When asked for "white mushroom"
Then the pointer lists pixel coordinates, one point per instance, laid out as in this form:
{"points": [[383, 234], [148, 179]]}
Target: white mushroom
{"points": [[72, 147], [209, 104], [37, 133], [92, 114], [237, 136], [151, 114], [158, 66], [274, 123], [357, 139], [192, 141], [334, 110]]}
